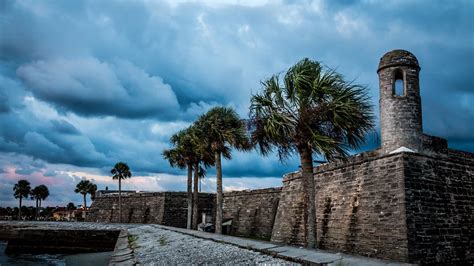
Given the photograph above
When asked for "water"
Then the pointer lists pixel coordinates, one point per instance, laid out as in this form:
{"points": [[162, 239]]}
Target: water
{"points": [[98, 258], [28, 259]]}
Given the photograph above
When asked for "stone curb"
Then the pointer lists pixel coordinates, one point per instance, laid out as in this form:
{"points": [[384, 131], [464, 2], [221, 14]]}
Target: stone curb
{"points": [[123, 253], [294, 254]]}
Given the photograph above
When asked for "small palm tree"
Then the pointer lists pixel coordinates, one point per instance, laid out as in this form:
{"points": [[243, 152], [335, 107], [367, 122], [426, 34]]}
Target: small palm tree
{"points": [[83, 188], [21, 190], [314, 111], [92, 191], [120, 171], [223, 130], [70, 206]]}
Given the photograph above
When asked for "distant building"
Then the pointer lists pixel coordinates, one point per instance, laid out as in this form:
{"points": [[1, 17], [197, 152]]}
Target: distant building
{"points": [[63, 214]]}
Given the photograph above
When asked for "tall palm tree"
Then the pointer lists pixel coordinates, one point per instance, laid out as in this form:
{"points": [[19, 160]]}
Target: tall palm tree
{"points": [[35, 194], [44, 193], [39, 193], [183, 156], [314, 111], [203, 156], [83, 188], [21, 190], [223, 130], [120, 171]]}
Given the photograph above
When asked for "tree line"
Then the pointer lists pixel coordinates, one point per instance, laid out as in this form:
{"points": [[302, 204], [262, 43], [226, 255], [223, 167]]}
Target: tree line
{"points": [[22, 189], [310, 110]]}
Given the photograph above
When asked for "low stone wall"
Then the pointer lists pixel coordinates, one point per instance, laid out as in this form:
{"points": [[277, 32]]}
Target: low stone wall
{"points": [[253, 211], [167, 208], [51, 241]]}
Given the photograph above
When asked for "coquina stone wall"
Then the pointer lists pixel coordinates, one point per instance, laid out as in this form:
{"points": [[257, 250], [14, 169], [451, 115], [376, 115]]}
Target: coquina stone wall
{"points": [[440, 207], [166, 208], [406, 207], [360, 207], [253, 211]]}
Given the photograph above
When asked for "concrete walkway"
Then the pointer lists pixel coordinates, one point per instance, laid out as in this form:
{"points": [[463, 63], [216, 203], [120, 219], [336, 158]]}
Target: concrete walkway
{"points": [[299, 255]]}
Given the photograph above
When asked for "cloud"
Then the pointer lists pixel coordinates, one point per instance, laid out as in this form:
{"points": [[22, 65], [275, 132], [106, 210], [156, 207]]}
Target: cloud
{"points": [[88, 87]]}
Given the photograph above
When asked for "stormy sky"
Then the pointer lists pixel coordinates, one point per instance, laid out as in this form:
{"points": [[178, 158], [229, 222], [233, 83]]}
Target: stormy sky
{"points": [[85, 84]]}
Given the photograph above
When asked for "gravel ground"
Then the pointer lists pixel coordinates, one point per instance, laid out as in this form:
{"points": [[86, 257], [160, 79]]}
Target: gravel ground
{"points": [[155, 245]]}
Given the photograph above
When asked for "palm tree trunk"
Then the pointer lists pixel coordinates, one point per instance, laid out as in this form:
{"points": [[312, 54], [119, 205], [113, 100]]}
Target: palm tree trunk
{"points": [[120, 200], [190, 196], [36, 213], [85, 203], [309, 193], [195, 196], [19, 209], [219, 193]]}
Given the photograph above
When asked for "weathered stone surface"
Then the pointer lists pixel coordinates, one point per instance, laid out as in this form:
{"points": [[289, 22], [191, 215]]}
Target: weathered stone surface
{"points": [[400, 115], [440, 208], [359, 205], [408, 207], [253, 212], [167, 208]]}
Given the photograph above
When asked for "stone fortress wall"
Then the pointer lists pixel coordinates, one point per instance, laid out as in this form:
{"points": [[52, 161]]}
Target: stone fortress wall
{"points": [[404, 206], [412, 200], [252, 211], [166, 208]]}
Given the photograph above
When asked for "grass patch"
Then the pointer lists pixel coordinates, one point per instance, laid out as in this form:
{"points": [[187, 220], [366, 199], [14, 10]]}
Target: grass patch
{"points": [[132, 241], [163, 241]]}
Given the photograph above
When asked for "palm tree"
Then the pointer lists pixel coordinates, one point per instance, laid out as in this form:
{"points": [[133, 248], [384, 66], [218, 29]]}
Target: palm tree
{"points": [[202, 157], [183, 156], [83, 188], [39, 193], [120, 171], [21, 190], [92, 191], [223, 130], [315, 111], [70, 206], [35, 195], [43, 193]]}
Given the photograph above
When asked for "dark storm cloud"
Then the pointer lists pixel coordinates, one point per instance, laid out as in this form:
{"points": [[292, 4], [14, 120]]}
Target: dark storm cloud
{"points": [[90, 83], [4, 107], [89, 87], [54, 141]]}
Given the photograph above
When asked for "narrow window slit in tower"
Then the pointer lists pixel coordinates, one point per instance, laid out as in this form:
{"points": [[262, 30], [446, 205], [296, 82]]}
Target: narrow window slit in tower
{"points": [[399, 86]]}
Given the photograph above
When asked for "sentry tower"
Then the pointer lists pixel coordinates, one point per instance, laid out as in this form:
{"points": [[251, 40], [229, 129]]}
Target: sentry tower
{"points": [[400, 102]]}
